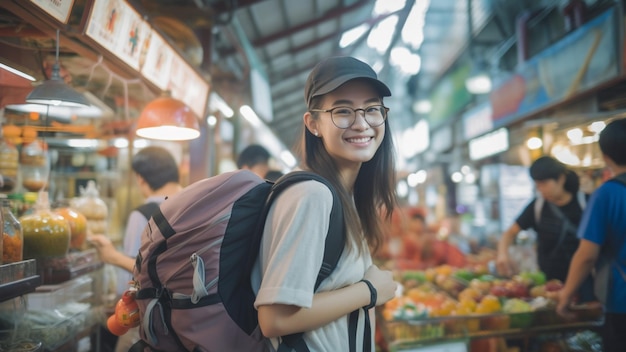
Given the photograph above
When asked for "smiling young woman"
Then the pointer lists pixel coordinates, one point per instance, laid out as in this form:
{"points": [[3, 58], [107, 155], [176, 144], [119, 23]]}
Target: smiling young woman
{"points": [[346, 140]]}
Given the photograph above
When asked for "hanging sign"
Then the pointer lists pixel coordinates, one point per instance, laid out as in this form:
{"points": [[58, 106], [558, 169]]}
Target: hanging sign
{"points": [[118, 28], [187, 86], [59, 9], [580, 61]]}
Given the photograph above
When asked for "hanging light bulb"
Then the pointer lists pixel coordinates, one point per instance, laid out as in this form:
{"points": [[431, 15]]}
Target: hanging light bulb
{"points": [[55, 91], [166, 118]]}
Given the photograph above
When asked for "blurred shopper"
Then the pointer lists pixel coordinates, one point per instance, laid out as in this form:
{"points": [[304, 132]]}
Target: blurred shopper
{"points": [[603, 239], [347, 140], [254, 158], [421, 247], [158, 177], [273, 175], [559, 211]]}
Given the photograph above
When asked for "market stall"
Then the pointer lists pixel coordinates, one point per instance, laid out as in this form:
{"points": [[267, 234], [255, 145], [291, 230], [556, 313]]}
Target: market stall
{"points": [[448, 309]]}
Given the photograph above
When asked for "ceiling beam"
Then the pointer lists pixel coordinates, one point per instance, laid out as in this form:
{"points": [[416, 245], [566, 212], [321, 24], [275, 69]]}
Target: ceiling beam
{"points": [[330, 14]]}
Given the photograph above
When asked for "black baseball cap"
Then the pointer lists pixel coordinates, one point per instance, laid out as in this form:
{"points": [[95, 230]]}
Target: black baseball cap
{"points": [[332, 72]]}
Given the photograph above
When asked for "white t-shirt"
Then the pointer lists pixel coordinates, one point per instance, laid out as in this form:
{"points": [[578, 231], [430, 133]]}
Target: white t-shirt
{"points": [[132, 241], [291, 255]]}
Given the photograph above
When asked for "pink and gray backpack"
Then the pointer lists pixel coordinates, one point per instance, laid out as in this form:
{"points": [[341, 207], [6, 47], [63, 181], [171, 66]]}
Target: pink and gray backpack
{"points": [[197, 252]]}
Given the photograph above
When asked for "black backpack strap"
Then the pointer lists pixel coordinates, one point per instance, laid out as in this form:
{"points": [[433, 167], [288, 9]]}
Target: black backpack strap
{"points": [[147, 209], [336, 237], [333, 247], [159, 291]]}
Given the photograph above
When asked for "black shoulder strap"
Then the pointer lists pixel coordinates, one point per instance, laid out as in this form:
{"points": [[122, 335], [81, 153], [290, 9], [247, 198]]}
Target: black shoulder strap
{"points": [[147, 209], [333, 247], [566, 226], [336, 238]]}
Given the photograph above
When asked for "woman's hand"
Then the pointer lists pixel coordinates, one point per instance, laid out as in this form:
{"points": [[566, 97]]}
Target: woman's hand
{"points": [[383, 282]]}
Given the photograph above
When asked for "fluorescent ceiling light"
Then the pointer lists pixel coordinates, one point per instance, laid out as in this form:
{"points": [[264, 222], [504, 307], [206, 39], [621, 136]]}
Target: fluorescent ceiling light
{"points": [[17, 72], [350, 36], [250, 116], [413, 30], [380, 36], [218, 103]]}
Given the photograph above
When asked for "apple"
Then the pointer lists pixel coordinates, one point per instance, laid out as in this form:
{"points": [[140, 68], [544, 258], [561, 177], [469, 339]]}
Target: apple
{"points": [[499, 291], [553, 285], [518, 290]]}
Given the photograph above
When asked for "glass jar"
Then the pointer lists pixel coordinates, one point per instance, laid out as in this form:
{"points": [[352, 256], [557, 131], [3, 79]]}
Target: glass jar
{"points": [[46, 234], [9, 166], [12, 238], [35, 166]]}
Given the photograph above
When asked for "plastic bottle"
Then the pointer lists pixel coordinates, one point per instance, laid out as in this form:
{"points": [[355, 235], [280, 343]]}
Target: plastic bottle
{"points": [[12, 238], [93, 208], [126, 315]]}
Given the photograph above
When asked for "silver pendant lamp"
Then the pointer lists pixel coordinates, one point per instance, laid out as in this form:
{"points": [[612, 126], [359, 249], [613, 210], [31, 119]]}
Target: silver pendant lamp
{"points": [[55, 91]]}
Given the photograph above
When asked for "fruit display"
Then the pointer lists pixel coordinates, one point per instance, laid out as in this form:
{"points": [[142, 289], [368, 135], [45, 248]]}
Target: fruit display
{"points": [[447, 302]]}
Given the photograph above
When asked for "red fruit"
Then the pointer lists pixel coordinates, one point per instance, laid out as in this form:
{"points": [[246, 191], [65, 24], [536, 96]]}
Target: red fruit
{"points": [[519, 291], [499, 291], [553, 285]]}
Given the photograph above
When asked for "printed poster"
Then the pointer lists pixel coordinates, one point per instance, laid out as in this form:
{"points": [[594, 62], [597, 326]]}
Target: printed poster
{"points": [[187, 86], [158, 62], [59, 9], [117, 27]]}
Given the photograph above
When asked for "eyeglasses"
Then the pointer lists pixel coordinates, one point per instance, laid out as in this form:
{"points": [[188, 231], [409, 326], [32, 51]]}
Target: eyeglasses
{"points": [[343, 116]]}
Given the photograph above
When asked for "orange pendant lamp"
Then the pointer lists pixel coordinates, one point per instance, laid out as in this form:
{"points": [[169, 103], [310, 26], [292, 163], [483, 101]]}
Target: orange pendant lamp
{"points": [[169, 119]]}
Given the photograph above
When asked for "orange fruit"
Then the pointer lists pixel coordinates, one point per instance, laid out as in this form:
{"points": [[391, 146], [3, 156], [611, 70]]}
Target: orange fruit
{"points": [[11, 131]]}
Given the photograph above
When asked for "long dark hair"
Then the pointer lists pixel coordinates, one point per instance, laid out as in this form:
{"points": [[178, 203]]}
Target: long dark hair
{"points": [[374, 188]]}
